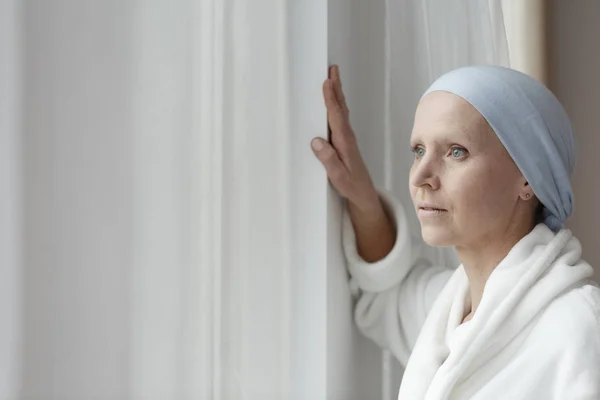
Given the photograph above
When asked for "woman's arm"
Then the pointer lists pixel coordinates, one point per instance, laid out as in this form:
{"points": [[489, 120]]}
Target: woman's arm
{"points": [[374, 230]]}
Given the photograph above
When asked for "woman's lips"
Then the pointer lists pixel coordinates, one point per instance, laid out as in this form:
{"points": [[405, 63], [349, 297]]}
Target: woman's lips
{"points": [[431, 212]]}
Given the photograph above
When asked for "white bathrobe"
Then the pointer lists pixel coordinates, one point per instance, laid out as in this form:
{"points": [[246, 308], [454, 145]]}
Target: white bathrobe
{"points": [[535, 335]]}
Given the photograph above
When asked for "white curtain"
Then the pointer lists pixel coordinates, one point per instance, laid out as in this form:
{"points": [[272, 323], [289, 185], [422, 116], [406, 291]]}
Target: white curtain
{"points": [[10, 200], [100, 212], [528, 38], [158, 200]]}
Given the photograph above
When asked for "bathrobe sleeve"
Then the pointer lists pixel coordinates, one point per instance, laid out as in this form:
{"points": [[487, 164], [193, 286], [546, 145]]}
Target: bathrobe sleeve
{"points": [[394, 294]]}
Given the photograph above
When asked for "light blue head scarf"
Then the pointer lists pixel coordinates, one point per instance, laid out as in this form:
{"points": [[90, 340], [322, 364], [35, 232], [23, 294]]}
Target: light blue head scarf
{"points": [[531, 123]]}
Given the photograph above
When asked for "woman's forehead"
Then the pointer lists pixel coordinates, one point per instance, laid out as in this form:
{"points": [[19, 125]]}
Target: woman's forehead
{"points": [[444, 116]]}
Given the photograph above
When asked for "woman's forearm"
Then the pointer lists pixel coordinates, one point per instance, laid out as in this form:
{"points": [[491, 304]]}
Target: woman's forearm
{"points": [[374, 230]]}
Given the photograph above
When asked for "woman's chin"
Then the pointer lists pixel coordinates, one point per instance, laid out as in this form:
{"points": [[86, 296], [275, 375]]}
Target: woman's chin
{"points": [[437, 237]]}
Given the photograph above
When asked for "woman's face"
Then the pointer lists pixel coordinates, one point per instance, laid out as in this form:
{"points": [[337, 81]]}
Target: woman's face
{"points": [[461, 166]]}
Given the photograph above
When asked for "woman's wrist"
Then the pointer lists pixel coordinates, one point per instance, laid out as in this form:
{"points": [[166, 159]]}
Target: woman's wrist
{"points": [[370, 208], [374, 230]]}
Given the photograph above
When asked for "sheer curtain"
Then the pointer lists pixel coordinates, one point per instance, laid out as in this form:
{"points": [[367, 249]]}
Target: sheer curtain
{"points": [[158, 197], [10, 199], [528, 36]]}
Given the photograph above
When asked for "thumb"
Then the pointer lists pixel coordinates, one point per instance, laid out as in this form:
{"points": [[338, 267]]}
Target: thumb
{"points": [[336, 171], [318, 144]]}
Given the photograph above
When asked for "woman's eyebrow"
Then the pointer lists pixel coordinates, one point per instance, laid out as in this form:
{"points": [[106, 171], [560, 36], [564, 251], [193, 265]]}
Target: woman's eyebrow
{"points": [[466, 139]]}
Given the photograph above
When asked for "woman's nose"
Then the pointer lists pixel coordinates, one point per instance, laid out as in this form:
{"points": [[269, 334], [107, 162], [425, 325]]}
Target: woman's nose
{"points": [[424, 173]]}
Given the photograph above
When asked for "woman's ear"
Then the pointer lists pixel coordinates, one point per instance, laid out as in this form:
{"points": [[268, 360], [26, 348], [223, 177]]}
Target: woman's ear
{"points": [[526, 192]]}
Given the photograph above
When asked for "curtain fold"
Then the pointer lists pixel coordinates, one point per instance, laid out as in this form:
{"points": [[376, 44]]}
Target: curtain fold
{"points": [[11, 213], [527, 35], [159, 196], [209, 63]]}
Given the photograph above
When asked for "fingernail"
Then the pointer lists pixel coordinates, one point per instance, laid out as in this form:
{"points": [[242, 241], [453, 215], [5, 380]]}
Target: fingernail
{"points": [[317, 144]]}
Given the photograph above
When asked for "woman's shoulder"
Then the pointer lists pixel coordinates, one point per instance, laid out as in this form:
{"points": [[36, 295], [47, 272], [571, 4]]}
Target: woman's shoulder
{"points": [[585, 295], [575, 315], [563, 345], [590, 291]]}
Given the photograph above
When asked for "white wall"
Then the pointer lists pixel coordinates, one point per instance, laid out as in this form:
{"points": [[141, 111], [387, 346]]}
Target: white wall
{"points": [[575, 79]]}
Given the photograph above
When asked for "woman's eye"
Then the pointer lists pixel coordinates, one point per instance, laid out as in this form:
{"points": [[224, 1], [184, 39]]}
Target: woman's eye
{"points": [[419, 151], [458, 152]]}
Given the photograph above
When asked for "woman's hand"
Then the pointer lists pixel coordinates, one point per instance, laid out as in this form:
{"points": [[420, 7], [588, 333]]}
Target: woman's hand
{"points": [[375, 232], [341, 158]]}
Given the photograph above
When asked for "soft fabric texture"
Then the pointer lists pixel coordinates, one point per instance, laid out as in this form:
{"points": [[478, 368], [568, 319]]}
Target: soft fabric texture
{"points": [[532, 125], [535, 335]]}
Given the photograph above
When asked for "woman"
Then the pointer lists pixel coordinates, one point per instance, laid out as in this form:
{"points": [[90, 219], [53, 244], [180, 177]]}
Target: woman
{"points": [[519, 318]]}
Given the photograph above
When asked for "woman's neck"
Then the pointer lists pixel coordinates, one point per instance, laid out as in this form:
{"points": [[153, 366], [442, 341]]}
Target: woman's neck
{"points": [[480, 260]]}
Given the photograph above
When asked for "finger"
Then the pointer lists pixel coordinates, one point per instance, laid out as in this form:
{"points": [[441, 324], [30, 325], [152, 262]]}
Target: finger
{"points": [[336, 170], [342, 137], [329, 96], [333, 158], [336, 116], [337, 87], [330, 71]]}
